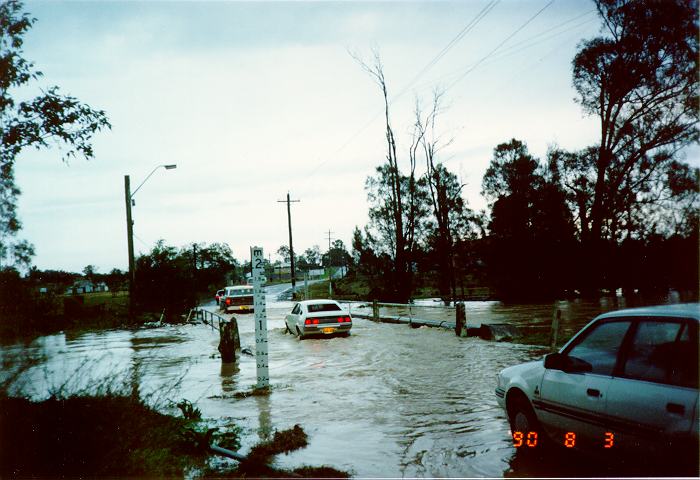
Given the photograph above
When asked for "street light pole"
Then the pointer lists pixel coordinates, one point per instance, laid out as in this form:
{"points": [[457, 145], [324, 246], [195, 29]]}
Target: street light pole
{"points": [[129, 199]]}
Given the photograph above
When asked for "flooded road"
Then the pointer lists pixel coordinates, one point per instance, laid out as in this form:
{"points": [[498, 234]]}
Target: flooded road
{"points": [[388, 401]]}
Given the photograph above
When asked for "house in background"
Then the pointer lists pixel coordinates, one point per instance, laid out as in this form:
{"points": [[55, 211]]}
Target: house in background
{"points": [[86, 286]]}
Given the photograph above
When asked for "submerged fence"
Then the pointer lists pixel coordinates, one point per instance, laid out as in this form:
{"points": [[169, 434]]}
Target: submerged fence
{"points": [[452, 317]]}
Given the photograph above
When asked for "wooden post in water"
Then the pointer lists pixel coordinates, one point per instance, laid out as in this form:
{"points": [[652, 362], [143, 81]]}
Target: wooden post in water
{"points": [[460, 320], [229, 340], [375, 310], [555, 330]]}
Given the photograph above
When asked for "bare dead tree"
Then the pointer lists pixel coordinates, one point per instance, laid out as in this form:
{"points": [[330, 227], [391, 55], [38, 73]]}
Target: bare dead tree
{"points": [[443, 187], [402, 192]]}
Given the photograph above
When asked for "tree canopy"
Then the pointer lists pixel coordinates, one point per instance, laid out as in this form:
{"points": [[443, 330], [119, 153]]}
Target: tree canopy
{"points": [[49, 119], [640, 78]]}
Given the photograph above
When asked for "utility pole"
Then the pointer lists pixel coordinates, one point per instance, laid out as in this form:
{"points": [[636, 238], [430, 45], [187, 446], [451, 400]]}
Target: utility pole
{"points": [[330, 270], [130, 242], [194, 270], [291, 248]]}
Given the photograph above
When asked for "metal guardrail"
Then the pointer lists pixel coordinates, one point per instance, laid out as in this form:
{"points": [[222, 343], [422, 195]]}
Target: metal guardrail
{"points": [[414, 305], [210, 318], [408, 318]]}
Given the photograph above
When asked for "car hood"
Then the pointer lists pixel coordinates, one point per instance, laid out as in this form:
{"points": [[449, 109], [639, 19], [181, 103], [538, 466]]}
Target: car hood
{"points": [[525, 375]]}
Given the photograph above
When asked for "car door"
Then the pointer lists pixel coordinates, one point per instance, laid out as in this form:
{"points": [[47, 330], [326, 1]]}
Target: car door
{"points": [[571, 405], [652, 403], [293, 317]]}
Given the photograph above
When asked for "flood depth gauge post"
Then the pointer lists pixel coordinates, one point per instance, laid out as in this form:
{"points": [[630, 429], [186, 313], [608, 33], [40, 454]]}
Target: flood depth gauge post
{"points": [[257, 260]]}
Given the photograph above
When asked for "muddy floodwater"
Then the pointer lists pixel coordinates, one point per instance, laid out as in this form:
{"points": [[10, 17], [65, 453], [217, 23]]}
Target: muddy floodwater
{"points": [[387, 401]]}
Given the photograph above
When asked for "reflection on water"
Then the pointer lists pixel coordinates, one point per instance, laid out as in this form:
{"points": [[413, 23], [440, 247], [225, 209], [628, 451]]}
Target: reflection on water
{"points": [[229, 377], [264, 417], [386, 401]]}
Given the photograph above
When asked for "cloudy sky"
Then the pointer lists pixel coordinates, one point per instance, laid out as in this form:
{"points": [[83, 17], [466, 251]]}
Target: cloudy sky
{"points": [[254, 100]]}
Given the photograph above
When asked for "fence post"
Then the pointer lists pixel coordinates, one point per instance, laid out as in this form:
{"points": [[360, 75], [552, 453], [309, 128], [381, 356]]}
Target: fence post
{"points": [[460, 320], [375, 310], [554, 334]]}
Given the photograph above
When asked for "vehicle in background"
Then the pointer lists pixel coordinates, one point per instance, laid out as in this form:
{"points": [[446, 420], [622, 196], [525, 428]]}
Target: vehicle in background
{"points": [[237, 299], [318, 317], [219, 294], [627, 383]]}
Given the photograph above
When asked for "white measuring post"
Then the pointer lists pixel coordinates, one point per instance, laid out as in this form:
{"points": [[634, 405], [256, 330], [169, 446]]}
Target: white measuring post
{"points": [[261, 357]]}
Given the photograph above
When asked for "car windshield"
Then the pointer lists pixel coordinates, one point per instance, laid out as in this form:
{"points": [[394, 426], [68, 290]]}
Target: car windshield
{"points": [[323, 307]]}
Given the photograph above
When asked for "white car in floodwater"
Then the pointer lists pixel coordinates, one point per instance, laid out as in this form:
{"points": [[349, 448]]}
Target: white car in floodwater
{"points": [[626, 383], [318, 317]]}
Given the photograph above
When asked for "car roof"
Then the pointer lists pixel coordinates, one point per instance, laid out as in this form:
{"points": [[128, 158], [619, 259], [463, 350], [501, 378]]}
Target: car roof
{"points": [[683, 310], [240, 287], [317, 302]]}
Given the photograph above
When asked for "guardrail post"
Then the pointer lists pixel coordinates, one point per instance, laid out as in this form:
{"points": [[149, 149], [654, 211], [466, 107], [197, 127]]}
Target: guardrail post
{"points": [[375, 310], [554, 334], [460, 320]]}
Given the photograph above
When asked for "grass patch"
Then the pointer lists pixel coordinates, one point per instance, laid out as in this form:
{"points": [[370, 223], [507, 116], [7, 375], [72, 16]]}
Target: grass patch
{"points": [[343, 289], [260, 458], [94, 436], [112, 435], [282, 442]]}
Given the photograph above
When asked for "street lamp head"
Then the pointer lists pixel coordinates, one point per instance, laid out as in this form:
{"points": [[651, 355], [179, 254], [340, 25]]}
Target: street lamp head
{"points": [[170, 167]]}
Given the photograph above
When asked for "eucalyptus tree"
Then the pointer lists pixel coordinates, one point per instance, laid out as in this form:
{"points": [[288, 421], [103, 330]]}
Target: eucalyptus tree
{"points": [[640, 78], [531, 233], [397, 199]]}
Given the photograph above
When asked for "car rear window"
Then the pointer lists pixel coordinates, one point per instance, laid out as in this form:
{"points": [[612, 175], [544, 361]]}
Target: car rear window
{"points": [[323, 307], [240, 293]]}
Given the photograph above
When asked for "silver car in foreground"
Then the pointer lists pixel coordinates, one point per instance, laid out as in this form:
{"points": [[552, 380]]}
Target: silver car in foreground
{"points": [[318, 317], [626, 383]]}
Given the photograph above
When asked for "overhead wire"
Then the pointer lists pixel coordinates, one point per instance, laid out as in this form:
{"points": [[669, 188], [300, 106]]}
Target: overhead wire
{"points": [[462, 33], [523, 45], [470, 26], [515, 49], [492, 52]]}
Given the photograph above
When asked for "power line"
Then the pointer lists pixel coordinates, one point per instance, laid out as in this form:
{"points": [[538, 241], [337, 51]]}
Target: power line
{"points": [[523, 45], [468, 28], [507, 52], [517, 30], [139, 239]]}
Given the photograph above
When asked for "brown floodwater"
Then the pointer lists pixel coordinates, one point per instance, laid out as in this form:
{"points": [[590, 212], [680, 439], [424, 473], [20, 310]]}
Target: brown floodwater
{"points": [[387, 401]]}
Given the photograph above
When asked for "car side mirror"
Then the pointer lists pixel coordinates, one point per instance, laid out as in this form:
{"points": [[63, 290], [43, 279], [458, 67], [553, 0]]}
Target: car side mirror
{"points": [[565, 363], [554, 361]]}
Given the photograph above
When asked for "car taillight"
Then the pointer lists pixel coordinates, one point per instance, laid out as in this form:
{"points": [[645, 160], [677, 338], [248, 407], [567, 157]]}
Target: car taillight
{"points": [[344, 319], [311, 321], [228, 301]]}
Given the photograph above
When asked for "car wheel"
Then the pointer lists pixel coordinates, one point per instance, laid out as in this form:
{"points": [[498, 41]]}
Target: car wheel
{"points": [[286, 328], [522, 418], [301, 337]]}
